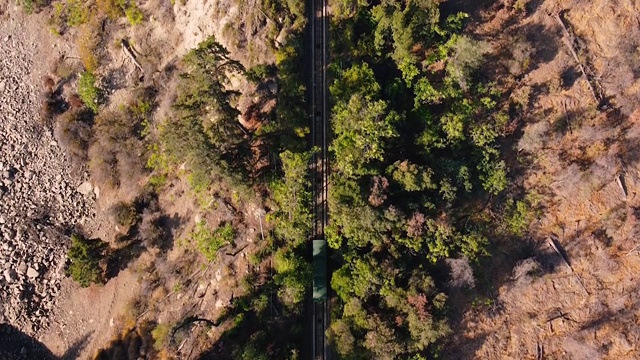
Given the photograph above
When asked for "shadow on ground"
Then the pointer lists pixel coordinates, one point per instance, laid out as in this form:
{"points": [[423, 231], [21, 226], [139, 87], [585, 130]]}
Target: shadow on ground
{"points": [[14, 344]]}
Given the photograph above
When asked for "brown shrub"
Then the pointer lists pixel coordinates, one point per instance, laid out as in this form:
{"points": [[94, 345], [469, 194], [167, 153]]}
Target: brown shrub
{"points": [[415, 225], [150, 230], [88, 40], [117, 152], [73, 133], [75, 102], [378, 190], [48, 83]]}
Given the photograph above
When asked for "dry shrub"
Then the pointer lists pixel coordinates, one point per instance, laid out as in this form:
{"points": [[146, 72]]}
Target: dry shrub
{"points": [[461, 273], [521, 51], [524, 271], [117, 152], [48, 83], [378, 190], [149, 229], [88, 40], [62, 69], [595, 150], [415, 225], [534, 137], [53, 103], [75, 102], [73, 133], [110, 8]]}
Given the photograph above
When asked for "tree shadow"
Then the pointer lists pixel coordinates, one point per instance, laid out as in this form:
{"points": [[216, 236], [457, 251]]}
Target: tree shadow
{"points": [[257, 325], [76, 348], [543, 40], [170, 224], [468, 6], [15, 344], [120, 258], [134, 344]]}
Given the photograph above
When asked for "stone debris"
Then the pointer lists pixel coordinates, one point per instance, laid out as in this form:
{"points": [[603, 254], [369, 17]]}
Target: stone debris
{"points": [[32, 273], [85, 188], [38, 197]]}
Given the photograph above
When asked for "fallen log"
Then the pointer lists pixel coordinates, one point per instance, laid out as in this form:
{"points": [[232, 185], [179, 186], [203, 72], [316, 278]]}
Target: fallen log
{"points": [[566, 262], [569, 44]]}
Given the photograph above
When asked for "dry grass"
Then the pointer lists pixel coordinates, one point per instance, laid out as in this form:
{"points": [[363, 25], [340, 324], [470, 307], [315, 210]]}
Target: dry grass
{"points": [[88, 40]]}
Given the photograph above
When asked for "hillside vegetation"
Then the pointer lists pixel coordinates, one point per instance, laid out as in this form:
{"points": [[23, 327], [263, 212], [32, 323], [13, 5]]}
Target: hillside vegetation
{"points": [[482, 196]]}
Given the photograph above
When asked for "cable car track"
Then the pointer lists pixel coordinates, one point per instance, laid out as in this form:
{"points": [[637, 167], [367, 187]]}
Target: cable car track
{"points": [[319, 174]]}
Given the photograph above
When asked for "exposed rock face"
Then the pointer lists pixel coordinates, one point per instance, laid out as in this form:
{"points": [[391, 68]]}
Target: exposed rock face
{"points": [[38, 197]]}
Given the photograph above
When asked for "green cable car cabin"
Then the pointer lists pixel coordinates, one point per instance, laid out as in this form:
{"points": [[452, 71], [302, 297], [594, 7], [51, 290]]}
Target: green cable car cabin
{"points": [[319, 270]]}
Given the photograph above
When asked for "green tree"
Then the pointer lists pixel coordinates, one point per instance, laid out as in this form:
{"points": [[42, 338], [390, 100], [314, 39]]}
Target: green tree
{"points": [[358, 79], [209, 242], [292, 217], [88, 91], [85, 258], [412, 177], [360, 127], [202, 93]]}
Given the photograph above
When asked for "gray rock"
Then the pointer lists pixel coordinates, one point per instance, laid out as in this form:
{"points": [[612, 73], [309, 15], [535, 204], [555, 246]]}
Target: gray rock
{"points": [[10, 275], [32, 273], [85, 188], [22, 268]]}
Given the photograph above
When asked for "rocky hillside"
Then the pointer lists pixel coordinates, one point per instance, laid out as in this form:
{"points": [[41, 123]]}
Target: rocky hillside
{"points": [[39, 199]]}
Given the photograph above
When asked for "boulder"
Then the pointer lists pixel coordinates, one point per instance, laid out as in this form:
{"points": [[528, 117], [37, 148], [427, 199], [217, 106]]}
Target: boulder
{"points": [[32, 273], [85, 188], [10, 275]]}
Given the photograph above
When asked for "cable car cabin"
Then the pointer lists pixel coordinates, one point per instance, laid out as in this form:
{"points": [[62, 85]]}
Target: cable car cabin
{"points": [[319, 270]]}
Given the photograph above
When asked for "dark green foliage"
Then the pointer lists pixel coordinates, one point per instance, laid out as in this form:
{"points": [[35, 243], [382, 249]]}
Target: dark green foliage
{"points": [[124, 214], [291, 219], [260, 72], [414, 150], [206, 133], [289, 126], [291, 13], [85, 258], [292, 216]]}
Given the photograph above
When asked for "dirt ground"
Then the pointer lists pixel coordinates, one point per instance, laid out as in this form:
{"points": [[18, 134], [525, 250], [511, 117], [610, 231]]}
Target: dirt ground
{"points": [[86, 319]]}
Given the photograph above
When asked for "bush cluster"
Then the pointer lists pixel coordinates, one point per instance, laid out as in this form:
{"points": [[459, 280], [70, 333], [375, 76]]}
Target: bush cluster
{"points": [[87, 260]]}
